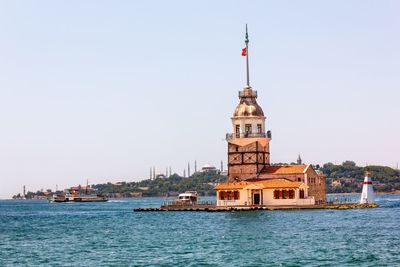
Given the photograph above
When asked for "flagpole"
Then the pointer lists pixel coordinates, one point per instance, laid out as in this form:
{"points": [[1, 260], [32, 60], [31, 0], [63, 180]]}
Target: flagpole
{"points": [[247, 57]]}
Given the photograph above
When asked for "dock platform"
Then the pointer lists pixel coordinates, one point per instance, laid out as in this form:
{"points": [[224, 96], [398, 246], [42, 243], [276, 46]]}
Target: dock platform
{"points": [[213, 208]]}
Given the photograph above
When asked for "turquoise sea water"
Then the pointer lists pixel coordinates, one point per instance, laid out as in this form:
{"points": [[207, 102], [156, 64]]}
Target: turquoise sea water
{"points": [[37, 233]]}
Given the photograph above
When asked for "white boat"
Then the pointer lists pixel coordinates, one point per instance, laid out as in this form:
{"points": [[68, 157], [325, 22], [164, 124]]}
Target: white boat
{"points": [[75, 194], [187, 197]]}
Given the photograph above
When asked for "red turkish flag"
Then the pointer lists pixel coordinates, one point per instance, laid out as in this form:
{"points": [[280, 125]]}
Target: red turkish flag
{"points": [[244, 52]]}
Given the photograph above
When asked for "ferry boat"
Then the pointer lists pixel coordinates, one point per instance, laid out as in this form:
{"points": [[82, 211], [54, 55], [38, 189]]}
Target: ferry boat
{"points": [[187, 197], [76, 194], [186, 201]]}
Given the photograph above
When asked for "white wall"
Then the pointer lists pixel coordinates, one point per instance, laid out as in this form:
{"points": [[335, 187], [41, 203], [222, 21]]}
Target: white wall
{"points": [[253, 121], [268, 199]]}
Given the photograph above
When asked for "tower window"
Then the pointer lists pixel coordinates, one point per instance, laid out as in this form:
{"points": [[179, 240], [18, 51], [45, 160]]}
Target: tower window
{"points": [[247, 129], [259, 128], [237, 130]]}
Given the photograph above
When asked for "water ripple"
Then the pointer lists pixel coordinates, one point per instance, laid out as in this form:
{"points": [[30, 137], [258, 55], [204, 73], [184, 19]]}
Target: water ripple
{"points": [[36, 233]]}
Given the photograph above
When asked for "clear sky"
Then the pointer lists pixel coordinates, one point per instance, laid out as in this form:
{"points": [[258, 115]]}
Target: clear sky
{"points": [[103, 90]]}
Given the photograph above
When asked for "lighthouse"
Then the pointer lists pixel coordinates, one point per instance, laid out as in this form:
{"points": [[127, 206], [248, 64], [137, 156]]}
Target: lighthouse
{"points": [[367, 195]]}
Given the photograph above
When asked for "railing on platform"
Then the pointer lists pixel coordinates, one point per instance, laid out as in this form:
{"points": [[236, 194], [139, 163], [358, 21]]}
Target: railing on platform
{"points": [[187, 203], [250, 93], [230, 136]]}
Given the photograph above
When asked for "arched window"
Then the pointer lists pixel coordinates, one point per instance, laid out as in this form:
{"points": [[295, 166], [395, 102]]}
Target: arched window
{"points": [[291, 194], [236, 195]]}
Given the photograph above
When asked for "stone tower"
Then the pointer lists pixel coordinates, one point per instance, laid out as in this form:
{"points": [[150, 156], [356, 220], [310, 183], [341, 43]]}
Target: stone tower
{"points": [[248, 144]]}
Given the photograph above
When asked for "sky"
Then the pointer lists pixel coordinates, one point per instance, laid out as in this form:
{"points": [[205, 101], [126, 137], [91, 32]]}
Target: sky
{"points": [[104, 90]]}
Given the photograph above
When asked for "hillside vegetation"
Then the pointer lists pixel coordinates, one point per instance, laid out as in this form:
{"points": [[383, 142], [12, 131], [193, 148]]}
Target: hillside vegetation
{"points": [[203, 183], [348, 177], [344, 178]]}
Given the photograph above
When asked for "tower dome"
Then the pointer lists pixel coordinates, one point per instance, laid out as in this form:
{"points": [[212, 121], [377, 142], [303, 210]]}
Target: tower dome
{"points": [[248, 106]]}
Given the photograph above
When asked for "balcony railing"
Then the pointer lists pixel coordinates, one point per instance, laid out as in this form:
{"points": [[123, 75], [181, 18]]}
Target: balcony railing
{"points": [[246, 93], [230, 136]]}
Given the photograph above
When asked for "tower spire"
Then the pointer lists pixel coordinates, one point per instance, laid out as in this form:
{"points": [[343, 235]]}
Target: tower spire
{"points": [[247, 57]]}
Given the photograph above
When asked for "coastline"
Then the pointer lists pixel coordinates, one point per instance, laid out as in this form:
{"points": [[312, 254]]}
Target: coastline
{"points": [[172, 197], [397, 192]]}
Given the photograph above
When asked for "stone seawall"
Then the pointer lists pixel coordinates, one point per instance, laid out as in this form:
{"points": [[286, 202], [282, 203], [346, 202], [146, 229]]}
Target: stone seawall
{"points": [[210, 208]]}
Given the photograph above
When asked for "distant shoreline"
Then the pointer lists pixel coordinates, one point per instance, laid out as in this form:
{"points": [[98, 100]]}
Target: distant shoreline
{"points": [[353, 194], [158, 197]]}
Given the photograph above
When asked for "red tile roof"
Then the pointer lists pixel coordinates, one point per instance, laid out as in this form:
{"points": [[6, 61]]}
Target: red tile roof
{"points": [[285, 169]]}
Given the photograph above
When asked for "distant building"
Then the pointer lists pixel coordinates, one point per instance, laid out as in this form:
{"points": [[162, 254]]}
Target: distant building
{"points": [[336, 183], [209, 169], [160, 176], [224, 173], [136, 194], [251, 178], [144, 188]]}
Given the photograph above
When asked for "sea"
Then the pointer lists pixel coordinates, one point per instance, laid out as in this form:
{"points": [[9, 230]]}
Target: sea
{"points": [[38, 233]]}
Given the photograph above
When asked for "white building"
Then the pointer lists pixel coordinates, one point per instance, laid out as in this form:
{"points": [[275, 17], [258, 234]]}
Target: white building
{"points": [[276, 192]]}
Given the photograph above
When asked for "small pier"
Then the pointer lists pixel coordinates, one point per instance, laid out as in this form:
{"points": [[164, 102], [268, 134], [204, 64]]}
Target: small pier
{"points": [[210, 207]]}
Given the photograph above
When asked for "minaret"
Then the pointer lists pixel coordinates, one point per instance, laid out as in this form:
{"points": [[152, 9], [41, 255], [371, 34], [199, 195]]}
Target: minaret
{"points": [[248, 144], [367, 195], [299, 161], [154, 173], [195, 166], [222, 166], [188, 169]]}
